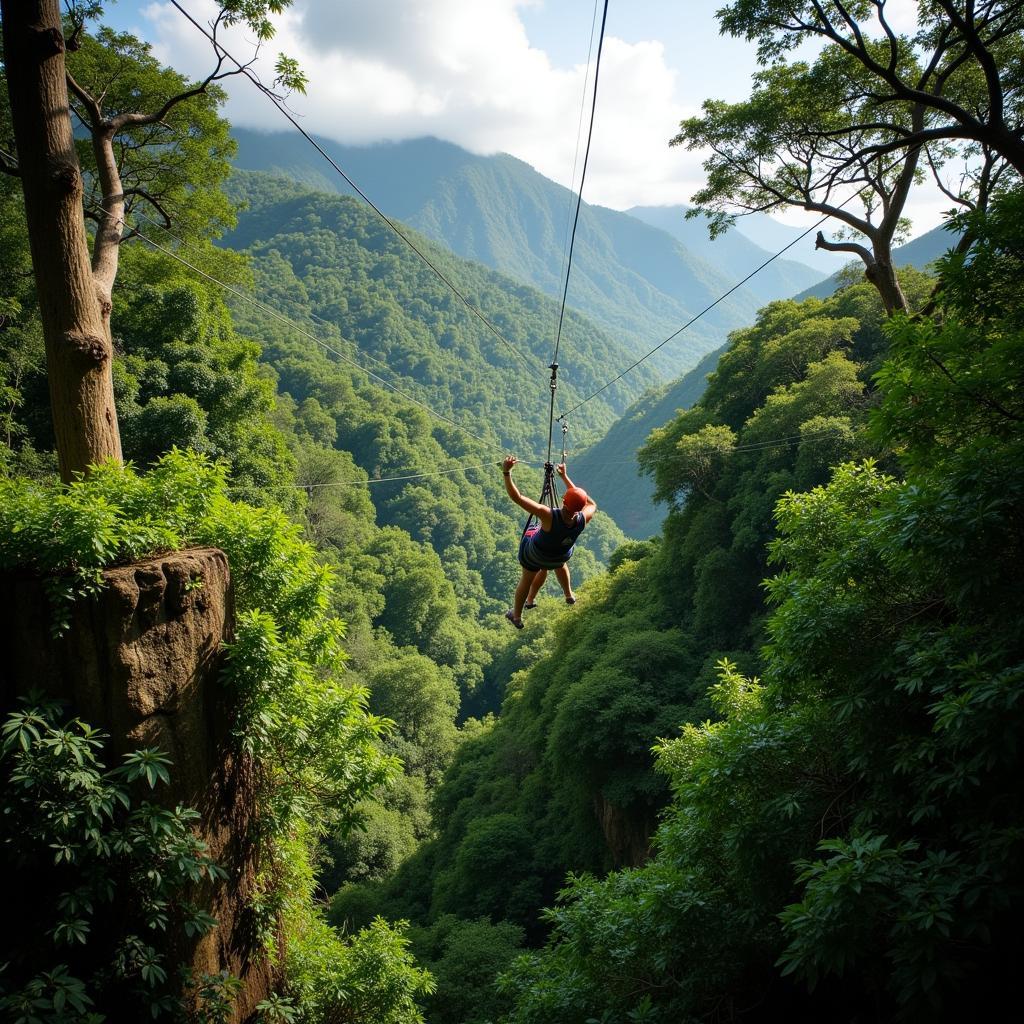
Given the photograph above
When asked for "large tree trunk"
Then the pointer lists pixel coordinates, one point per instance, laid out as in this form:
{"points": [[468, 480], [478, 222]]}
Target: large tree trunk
{"points": [[78, 348], [878, 267], [882, 274]]}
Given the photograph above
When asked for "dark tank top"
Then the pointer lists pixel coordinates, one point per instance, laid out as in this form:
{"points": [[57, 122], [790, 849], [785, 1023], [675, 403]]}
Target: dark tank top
{"points": [[558, 543]]}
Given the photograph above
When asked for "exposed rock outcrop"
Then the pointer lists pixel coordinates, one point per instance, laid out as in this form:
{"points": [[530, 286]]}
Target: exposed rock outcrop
{"points": [[628, 841], [141, 661]]}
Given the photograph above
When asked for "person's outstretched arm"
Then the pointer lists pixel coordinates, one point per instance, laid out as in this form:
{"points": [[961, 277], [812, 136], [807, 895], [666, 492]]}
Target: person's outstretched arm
{"points": [[589, 509], [562, 472], [533, 507]]}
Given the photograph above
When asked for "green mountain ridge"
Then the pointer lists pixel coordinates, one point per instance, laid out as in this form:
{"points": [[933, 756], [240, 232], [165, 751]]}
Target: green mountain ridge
{"points": [[732, 252], [635, 280], [329, 257]]}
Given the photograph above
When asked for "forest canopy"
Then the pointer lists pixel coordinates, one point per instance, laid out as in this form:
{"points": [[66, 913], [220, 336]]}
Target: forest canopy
{"points": [[769, 764]]}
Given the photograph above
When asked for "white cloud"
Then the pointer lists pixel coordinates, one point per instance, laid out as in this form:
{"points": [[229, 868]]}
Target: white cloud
{"points": [[463, 70]]}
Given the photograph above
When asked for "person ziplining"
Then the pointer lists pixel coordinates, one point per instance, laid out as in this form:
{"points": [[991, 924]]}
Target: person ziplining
{"points": [[548, 545]]}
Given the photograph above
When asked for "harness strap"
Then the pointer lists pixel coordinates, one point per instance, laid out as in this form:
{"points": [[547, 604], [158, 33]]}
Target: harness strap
{"points": [[548, 495]]}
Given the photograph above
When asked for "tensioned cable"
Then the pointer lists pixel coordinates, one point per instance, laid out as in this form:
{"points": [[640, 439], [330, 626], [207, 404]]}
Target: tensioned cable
{"points": [[553, 366], [707, 309], [583, 177], [244, 69], [409, 476], [270, 311], [566, 250], [579, 133], [312, 316]]}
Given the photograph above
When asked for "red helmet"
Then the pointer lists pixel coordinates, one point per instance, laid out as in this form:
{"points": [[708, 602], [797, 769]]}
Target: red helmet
{"points": [[575, 499]]}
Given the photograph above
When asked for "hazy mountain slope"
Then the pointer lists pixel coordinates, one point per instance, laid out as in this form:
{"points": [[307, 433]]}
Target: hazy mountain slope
{"points": [[609, 467], [926, 249], [918, 252], [632, 278], [771, 234], [732, 252]]}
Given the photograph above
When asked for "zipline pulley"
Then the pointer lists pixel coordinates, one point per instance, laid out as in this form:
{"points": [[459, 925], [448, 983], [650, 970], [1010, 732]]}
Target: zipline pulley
{"points": [[551, 412]]}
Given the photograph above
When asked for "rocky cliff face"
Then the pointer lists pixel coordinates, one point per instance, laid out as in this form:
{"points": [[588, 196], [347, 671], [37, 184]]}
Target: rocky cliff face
{"points": [[628, 840], [141, 661]]}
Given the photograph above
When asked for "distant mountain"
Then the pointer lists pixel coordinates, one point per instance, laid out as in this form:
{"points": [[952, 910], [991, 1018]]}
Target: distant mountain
{"points": [[636, 280], [918, 252], [733, 252], [609, 468], [924, 250]]}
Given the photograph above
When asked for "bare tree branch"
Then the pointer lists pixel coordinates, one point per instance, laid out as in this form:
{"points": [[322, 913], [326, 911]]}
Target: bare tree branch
{"points": [[152, 200], [894, 46], [982, 54], [821, 242], [92, 108]]}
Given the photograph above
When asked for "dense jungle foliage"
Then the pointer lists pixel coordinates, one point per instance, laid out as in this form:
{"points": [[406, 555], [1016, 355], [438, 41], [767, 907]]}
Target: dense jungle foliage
{"points": [[421, 606], [850, 821], [769, 764], [839, 828]]}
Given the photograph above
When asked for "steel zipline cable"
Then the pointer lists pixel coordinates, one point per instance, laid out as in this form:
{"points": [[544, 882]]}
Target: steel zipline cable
{"points": [[311, 315], [707, 309], [583, 178], [270, 311], [278, 103], [548, 476]]}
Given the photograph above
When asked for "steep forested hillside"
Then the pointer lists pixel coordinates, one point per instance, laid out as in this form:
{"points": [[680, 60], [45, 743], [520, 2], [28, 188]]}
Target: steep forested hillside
{"points": [[564, 781], [626, 493], [843, 839], [635, 280], [629, 495]]}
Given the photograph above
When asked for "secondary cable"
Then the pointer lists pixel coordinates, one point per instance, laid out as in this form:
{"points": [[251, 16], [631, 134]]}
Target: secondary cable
{"points": [[409, 476], [270, 311], [707, 309], [252, 77], [549, 489]]}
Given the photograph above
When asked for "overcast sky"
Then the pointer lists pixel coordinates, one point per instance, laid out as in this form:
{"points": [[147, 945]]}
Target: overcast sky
{"points": [[496, 75]]}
